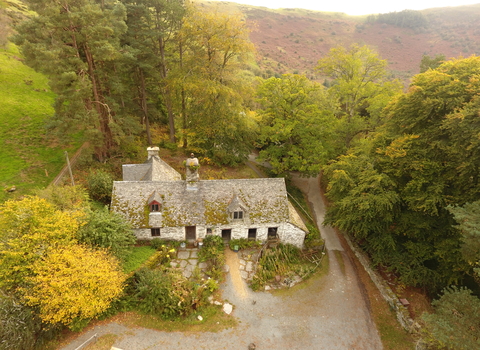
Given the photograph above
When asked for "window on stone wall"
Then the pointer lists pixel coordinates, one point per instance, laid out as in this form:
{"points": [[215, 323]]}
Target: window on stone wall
{"points": [[272, 232], [155, 231], [252, 234], [238, 215], [154, 207], [209, 230]]}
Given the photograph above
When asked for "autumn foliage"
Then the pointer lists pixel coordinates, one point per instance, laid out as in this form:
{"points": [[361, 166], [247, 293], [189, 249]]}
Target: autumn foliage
{"points": [[27, 229], [74, 282], [43, 265]]}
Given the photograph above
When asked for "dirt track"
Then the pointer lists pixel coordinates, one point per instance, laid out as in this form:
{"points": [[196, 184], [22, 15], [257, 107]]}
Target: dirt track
{"points": [[330, 313]]}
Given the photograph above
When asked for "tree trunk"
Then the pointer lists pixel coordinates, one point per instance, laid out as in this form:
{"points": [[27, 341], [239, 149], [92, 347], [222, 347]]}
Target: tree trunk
{"points": [[102, 109], [166, 91], [184, 103], [171, 117], [184, 117], [144, 107]]}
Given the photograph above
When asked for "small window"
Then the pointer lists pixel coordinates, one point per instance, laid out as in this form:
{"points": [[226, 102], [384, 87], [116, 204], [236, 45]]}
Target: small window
{"points": [[252, 234], [238, 215], [209, 231], [155, 232], [272, 233], [154, 207]]}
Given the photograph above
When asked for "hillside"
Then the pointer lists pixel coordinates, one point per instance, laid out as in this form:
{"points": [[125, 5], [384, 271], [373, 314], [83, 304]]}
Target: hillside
{"points": [[292, 40], [29, 157]]}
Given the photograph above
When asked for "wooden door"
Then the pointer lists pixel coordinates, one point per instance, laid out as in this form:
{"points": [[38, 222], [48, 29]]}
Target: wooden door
{"points": [[190, 233], [226, 235]]}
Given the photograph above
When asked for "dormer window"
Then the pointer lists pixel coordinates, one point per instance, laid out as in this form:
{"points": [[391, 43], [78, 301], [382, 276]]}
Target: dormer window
{"points": [[237, 210], [238, 215], [155, 202]]}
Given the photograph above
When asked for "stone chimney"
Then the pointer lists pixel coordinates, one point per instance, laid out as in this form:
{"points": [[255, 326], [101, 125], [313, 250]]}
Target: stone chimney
{"points": [[192, 165], [152, 152]]}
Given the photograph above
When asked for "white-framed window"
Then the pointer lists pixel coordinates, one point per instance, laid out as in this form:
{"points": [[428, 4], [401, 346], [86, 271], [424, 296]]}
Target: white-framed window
{"points": [[154, 207], [238, 215]]}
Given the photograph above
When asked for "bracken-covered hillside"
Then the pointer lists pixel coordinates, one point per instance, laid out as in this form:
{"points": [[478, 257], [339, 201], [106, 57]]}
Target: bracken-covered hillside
{"points": [[292, 40]]}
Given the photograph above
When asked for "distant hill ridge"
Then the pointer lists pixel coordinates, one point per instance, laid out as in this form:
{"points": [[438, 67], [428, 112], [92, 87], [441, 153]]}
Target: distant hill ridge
{"points": [[292, 40]]}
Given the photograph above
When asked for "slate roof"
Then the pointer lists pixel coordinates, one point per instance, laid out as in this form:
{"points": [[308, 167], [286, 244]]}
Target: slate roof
{"points": [[154, 169], [208, 203]]}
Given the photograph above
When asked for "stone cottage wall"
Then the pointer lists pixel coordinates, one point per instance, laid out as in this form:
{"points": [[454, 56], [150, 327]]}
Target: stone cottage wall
{"points": [[287, 232], [292, 234]]}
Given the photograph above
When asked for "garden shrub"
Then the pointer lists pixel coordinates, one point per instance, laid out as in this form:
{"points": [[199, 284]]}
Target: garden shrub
{"points": [[313, 239], [21, 328], [244, 243], [163, 294], [212, 252], [109, 230], [162, 256], [126, 302], [100, 185], [65, 198], [18, 325], [157, 243], [284, 260]]}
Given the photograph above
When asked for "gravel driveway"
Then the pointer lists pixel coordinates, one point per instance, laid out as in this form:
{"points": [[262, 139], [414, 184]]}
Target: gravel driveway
{"points": [[330, 313]]}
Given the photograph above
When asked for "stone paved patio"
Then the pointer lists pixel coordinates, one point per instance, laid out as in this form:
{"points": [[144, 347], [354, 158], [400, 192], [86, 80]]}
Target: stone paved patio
{"points": [[247, 258], [187, 259]]}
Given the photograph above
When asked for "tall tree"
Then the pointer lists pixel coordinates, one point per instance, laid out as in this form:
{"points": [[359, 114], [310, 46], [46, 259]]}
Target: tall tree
{"points": [[361, 88], [76, 44], [429, 153], [296, 134], [214, 49], [151, 39]]}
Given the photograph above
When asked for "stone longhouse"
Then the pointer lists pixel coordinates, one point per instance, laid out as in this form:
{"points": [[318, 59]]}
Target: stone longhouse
{"points": [[158, 203]]}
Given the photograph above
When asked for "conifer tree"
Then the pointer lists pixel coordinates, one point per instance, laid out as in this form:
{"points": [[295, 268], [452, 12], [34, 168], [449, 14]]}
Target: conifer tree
{"points": [[76, 44], [151, 40]]}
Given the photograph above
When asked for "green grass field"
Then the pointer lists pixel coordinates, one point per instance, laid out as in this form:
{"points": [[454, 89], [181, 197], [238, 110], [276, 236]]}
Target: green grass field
{"points": [[29, 158], [137, 257]]}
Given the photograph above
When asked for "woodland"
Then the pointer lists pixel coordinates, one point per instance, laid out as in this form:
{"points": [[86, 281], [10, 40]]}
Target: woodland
{"points": [[400, 164]]}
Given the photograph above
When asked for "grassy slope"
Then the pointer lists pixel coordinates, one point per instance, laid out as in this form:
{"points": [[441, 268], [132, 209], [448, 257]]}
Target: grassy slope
{"points": [[28, 158]]}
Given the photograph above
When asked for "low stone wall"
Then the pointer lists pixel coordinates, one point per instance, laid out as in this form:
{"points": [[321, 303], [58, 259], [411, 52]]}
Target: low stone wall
{"points": [[390, 297]]}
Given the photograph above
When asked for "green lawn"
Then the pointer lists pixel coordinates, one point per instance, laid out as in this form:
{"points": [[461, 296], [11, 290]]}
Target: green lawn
{"points": [[29, 157], [137, 257]]}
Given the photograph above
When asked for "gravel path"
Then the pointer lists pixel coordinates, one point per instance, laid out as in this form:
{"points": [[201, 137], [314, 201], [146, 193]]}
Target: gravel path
{"points": [[330, 312]]}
